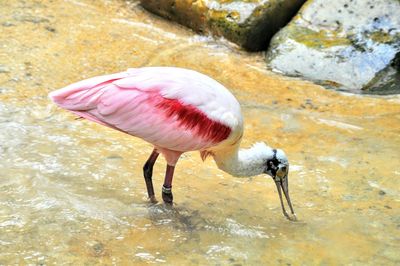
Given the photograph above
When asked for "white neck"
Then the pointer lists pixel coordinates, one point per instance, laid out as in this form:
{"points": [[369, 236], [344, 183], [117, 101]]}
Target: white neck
{"points": [[245, 162]]}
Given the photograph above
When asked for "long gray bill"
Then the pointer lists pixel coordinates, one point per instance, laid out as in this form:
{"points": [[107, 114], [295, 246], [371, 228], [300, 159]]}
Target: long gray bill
{"points": [[285, 188]]}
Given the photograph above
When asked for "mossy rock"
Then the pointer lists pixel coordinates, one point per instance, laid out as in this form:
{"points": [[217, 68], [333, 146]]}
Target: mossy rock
{"points": [[350, 45], [249, 23], [190, 13]]}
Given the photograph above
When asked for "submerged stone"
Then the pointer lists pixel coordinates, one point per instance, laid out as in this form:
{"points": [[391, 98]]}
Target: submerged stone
{"points": [[351, 45], [249, 23], [4, 69]]}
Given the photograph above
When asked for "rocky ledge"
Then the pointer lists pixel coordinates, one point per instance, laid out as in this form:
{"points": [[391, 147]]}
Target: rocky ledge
{"points": [[352, 45], [249, 23]]}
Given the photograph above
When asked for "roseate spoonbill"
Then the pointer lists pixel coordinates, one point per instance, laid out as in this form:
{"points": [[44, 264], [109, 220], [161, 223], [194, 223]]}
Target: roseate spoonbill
{"points": [[176, 110]]}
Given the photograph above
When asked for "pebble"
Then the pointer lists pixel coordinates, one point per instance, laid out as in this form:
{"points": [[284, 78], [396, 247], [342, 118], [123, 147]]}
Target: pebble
{"points": [[114, 157], [4, 69], [7, 24], [33, 19], [98, 248], [51, 29]]}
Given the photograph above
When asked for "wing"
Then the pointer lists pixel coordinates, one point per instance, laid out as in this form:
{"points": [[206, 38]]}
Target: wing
{"points": [[189, 87], [155, 105]]}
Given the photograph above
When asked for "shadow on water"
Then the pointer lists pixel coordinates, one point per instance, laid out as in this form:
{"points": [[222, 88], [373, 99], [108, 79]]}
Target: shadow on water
{"points": [[185, 219], [178, 217]]}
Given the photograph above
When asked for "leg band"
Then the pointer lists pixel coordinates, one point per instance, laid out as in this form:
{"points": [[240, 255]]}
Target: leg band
{"points": [[166, 190]]}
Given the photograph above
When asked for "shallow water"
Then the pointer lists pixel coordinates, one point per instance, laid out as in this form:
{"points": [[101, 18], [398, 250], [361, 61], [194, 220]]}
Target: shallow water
{"points": [[72, 191]]}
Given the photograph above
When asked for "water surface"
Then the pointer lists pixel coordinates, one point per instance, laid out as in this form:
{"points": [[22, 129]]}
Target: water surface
{"points": [[72, 191]]}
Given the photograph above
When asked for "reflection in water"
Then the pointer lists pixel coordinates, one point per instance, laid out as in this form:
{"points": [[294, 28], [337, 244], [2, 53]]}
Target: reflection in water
{"points": [[73, 192]]}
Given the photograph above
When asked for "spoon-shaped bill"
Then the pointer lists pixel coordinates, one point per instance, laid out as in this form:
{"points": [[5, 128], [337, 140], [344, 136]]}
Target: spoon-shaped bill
{"points": [[283, 183]]}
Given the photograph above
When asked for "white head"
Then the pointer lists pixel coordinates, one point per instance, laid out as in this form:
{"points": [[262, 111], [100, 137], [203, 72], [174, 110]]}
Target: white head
{"points": [[261, 159]]}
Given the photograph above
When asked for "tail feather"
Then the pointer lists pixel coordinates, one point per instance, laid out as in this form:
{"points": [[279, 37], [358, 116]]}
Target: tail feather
{"points": [[65, 97]]}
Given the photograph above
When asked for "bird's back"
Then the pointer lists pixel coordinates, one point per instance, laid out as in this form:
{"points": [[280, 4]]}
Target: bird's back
{"points": [[173, 108]]}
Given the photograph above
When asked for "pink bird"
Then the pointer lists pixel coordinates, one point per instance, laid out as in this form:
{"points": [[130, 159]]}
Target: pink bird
{"points": [[176, 110]]}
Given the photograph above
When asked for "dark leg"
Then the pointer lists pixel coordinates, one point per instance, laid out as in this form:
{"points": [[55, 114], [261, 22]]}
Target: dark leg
{"points": [[148, 173], [167, 187]]}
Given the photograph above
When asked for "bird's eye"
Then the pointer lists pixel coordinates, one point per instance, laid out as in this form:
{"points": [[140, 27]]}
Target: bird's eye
{"points": [[284, 169]]}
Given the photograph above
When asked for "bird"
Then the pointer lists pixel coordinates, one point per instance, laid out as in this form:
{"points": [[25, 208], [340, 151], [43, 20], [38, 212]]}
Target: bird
{"points": [[176, 110]]}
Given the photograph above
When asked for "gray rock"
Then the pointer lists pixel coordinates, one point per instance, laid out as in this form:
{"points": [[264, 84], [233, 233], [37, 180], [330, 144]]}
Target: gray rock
{"points": [[351, 45], [387, 81], [249, 23]]}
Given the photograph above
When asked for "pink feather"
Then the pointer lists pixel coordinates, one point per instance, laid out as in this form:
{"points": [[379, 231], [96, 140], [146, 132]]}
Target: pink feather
{"points": [[152, 104]]}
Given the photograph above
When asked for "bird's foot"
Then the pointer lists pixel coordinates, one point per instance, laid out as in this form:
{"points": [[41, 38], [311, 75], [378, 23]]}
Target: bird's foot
{"points": [[153, 199], [167, 195], [292, 218]]}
